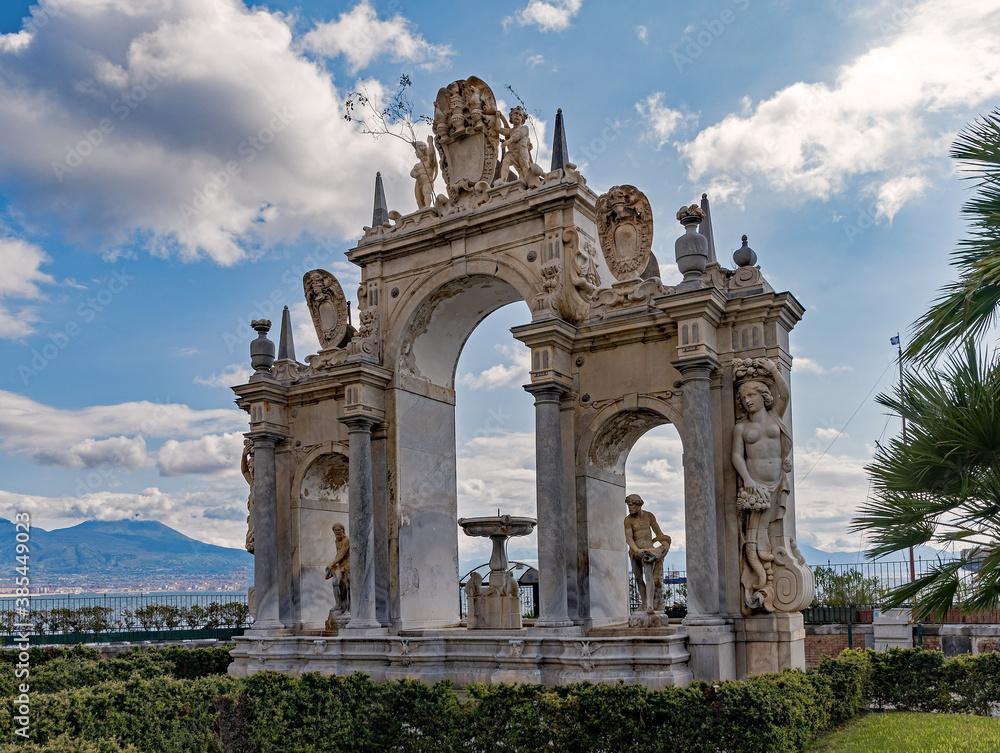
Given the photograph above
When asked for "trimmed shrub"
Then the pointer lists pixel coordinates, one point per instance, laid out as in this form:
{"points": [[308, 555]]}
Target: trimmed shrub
{"points": [[908, 679], [848, 682], [65, 744], [973, 682]]}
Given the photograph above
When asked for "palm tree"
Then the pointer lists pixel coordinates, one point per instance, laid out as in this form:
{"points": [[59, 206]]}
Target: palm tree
{"points": [[967, 308], [942, 486]]}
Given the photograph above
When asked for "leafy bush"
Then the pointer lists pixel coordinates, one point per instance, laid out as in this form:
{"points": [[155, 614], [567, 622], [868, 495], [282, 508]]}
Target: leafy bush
{"points": [[848, 678], [909, 679], [844, 588]]}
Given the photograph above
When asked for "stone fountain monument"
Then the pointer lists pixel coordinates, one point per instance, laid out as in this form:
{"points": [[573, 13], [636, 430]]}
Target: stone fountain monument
{"points": [[363, 433]]}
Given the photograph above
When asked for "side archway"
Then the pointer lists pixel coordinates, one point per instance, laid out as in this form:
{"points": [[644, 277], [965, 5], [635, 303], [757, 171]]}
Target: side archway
{"points": [[602, 559], [319, 499]]}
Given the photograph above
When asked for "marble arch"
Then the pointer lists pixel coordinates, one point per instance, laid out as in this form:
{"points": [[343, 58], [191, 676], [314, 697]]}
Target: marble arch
{"points": [[614, 351]]}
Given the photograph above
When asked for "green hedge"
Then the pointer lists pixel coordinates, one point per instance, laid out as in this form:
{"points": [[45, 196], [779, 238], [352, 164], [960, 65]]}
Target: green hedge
{"points": [[147, 699]]}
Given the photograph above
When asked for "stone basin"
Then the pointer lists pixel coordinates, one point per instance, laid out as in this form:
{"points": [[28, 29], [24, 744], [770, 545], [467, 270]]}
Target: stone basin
{"points": [[497, 525]]}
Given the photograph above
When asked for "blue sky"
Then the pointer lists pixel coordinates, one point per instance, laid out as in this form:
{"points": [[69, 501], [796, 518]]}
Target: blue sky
{"points": [[133, 261]]}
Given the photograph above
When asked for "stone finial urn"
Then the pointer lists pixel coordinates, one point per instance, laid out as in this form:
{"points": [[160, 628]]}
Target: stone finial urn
{"points": [[261, 349], [691, 249]]}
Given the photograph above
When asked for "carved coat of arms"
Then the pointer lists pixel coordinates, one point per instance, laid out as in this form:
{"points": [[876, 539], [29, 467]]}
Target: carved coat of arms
{"points": [[466, 131], [328, 307], [625, 229]]}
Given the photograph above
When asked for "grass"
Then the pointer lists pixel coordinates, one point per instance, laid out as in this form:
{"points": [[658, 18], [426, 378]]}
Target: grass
{"points": [[915, 733]]}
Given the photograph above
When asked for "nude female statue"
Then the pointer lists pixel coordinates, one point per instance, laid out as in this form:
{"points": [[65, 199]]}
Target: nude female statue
{"points": [[762, 458]]}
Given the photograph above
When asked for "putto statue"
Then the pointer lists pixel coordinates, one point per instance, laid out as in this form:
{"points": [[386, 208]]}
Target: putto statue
{"points": [[647, 546], [518, 144], [339, 570], [762, 447], [425, 172]]}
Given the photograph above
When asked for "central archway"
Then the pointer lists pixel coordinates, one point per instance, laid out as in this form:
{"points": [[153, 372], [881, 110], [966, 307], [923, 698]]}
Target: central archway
{"points": [[422, 464]]}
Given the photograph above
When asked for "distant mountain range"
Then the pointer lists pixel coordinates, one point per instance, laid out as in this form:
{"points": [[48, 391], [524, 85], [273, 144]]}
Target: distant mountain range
{"points": [[124, 555]]}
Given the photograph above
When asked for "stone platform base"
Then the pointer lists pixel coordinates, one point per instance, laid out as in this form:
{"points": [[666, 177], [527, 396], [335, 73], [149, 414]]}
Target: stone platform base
{"points": [[484, 656]]}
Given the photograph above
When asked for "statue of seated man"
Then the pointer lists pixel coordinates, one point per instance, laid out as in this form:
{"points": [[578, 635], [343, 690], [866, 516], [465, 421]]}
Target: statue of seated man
{"points": [[646, 543]]}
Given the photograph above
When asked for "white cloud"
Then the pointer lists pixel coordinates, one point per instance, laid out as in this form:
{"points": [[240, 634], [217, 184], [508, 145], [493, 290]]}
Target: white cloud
{"points": [[661, 120], [514, 372], [808, 365], [894, 193], [535, 60], [184, 127], [206, 516], [361, 38], [886, 115], [211, 454], [98, 434], [20, 280], [233, 374], [829, 433], [643, 33], [827, 499], [555, 15]]}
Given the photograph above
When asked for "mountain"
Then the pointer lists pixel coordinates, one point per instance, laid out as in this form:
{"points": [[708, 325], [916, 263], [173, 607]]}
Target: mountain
{"points": [[124, 555], [816, 556]]}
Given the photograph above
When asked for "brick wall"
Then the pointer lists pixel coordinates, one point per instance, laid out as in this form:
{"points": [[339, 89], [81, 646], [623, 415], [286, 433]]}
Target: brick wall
{"points": [[818, 646]]}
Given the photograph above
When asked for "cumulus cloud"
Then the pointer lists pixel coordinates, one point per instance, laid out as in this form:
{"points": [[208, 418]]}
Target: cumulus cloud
{"points": [[827, 499], [643, 33], [555, 15], [885, 116], [361, 38], [661, 120], [102, 434], [184, 127], [206, 516], [234, 373], [211, 454], [127, 453], [514, 372], [20, 280]]}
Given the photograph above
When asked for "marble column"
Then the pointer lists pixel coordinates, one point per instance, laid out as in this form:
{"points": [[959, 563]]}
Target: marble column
{"points": [[361, 521], [699, 492], [265, 523], [549, 507]]}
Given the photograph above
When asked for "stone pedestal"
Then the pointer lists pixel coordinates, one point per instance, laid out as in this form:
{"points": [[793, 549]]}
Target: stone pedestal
{"points": [[770, 642], [495, 611], [712, 649]]}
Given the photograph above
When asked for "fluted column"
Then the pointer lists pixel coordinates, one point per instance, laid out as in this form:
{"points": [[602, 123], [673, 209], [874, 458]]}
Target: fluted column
{"points": [[699, 492], [553, 611], [265, 521], [361, 520]]}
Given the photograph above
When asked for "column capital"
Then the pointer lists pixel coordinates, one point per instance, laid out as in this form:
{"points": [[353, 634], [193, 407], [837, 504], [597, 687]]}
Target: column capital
{"points": [[547, 391], [264, 437], [700, 366], [360, 422]]}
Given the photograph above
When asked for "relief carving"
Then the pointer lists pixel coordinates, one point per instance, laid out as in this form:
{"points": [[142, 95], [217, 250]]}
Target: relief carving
{"points": [[625, 229], [365, 344], [466, 136], [328, 307]]}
